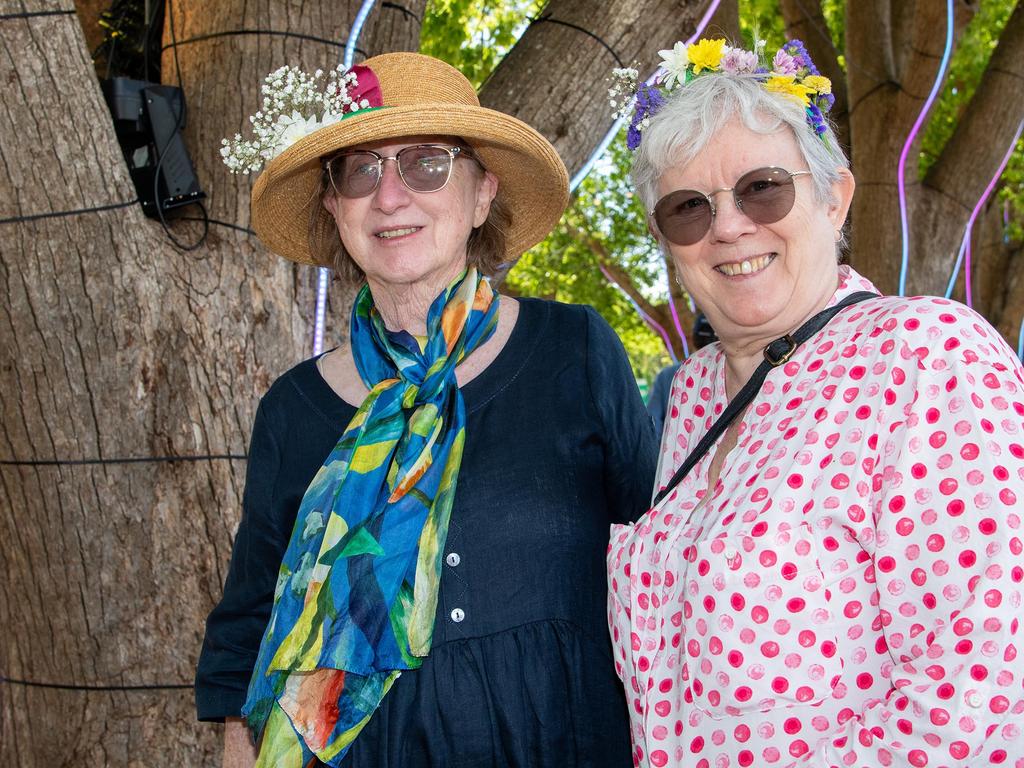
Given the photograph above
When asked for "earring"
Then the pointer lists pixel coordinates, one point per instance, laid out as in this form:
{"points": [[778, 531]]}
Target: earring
{"points": [[839, 235]]}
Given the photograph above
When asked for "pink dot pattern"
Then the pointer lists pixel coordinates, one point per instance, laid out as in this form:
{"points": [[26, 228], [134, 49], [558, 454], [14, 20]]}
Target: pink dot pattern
{"points": [[849, 594]]}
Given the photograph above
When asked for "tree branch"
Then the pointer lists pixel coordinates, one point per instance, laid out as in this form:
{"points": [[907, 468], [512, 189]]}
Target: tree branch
{"points": [[989, 122], [620, 275]]}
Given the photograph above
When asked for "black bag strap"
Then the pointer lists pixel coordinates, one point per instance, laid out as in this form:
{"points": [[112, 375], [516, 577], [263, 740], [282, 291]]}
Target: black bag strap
{"points": [[775, 354]]}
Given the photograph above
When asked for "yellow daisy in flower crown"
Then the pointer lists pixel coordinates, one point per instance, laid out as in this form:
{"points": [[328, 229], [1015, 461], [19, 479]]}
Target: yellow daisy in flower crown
{"points": [[787, 84], [818, 83], [705, 54]]}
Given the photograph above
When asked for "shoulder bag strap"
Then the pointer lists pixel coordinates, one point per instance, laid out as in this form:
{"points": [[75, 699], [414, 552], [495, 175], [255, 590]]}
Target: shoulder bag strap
{"points": [[775, 354]]}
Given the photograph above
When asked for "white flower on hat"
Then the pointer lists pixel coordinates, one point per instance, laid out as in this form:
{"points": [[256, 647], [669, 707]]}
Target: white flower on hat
{"points": [[289, 129], [674, 61]]}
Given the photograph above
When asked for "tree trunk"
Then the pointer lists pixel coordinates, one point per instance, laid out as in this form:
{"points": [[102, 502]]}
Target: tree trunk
{"points": [[563, 94], [897, 49], [121, 353]]}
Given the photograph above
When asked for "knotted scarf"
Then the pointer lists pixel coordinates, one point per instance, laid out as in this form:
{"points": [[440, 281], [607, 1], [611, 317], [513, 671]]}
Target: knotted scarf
{"points": [[357, 590]]}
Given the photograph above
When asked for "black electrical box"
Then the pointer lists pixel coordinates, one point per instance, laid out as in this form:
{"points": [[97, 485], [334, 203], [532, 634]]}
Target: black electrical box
{"points": [[148, 119]]}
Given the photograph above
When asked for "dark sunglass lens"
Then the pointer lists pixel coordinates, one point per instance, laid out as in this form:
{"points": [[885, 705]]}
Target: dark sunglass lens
{"points": [[766, 195], [425, 169], [683, 216], [355, 174]]}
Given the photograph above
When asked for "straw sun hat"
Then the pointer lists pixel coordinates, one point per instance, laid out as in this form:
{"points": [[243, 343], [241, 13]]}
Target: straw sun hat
{"points": [[420, 96]]}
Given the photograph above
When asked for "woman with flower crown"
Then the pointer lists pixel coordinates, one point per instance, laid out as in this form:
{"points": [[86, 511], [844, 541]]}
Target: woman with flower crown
{"points": [[831, 572], [418, 577]]}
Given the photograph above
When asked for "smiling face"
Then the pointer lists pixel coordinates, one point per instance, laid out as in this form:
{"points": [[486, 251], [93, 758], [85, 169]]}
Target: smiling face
{"points": [[401, 238], [757, 282]]}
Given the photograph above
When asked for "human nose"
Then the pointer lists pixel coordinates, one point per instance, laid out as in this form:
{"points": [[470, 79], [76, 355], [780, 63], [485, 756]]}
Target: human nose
{"points": [[728, 220], [391, 193]]}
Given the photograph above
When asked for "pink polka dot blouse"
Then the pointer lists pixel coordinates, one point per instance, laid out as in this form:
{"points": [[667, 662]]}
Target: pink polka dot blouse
{"points": [[849, 592]]}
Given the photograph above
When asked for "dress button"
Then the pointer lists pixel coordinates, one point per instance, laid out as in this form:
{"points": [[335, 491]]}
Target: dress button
{"points": [[453, 559], [730, 553], [458, 615], [974, 699]]}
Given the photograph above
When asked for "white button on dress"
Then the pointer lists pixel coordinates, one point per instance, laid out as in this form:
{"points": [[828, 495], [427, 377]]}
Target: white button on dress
{"points": [[453, 559], [457, 615]]}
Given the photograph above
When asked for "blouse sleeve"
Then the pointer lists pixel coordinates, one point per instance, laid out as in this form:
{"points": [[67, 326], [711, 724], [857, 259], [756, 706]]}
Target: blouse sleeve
{"points": [[945, 559], [630, 443], [235, 627]]}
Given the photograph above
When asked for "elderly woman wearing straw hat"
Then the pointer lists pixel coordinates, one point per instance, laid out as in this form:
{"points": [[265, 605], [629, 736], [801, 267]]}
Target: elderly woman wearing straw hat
{"points": [[418, 576], [831, 572]]}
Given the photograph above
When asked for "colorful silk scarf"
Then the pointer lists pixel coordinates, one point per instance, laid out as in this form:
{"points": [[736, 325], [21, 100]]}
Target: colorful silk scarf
{"points": [[357, 590]]}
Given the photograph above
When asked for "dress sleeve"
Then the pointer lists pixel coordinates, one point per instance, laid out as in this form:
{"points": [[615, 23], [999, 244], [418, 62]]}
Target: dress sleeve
{"points": [[630, 444], [945, 559], [235, 627]]}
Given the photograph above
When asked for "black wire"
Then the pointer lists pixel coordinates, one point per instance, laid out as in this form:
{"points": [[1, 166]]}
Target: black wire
{"points": [[125, 460], [578, 28], [70, 687], [244, 230], [32, 14], [275, 33], [161, 155], [403, 9], [75, 212]]}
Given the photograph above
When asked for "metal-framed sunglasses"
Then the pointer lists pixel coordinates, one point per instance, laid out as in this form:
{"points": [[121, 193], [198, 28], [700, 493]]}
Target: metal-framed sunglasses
{"points": [[764, 195], [421, 167]]}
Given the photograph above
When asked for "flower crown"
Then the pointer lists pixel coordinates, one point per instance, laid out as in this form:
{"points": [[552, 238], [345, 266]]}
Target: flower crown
{"points": [[792, 73], [294, 106]]}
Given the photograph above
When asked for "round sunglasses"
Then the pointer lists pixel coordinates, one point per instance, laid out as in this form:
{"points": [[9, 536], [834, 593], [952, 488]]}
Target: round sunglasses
{"points": [[764, 195], [422, 168]]}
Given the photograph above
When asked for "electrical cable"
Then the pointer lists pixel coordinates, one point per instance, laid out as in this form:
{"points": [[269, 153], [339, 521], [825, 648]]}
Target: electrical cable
{"points": [[123, 460], [324, 273], [901, 184], [72, 687], [33, 14], [161, 153], [402, 9], [547, 18], [73, 212], [240, 32]]}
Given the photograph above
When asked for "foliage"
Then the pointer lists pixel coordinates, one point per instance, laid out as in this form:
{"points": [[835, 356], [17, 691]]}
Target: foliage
{"points": [[126, 36], [474, 35]]}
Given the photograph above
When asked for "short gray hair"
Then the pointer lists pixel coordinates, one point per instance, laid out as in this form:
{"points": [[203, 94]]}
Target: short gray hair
{"points": [[693, 113]]}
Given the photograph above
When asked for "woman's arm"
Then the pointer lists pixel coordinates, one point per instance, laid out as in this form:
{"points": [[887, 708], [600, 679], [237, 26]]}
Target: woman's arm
{"points": [[239, 751], [631, 447], [946, 561]]}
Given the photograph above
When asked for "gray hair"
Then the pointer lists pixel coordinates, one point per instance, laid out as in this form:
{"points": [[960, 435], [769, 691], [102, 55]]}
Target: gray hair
{"points": [[693, 113]]}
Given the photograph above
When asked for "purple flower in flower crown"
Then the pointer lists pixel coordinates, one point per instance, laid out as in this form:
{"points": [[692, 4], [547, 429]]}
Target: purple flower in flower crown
{"points": [[784, 64], [797, 50], [816, 120], [648, 101]]}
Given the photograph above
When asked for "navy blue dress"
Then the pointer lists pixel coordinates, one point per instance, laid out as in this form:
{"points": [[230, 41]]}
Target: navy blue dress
{"points": [[558, 447]]}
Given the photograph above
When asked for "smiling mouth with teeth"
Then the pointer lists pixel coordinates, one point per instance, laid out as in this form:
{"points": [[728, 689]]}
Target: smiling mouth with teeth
{"points": [[747, 267], [388, 234]]}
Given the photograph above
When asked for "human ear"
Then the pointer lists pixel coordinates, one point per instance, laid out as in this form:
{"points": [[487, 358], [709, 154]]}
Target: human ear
{"points": [[487, 188], [842, 197]]}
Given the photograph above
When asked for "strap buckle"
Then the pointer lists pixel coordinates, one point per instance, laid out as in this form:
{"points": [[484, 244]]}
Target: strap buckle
{"points": [[776, 361]]}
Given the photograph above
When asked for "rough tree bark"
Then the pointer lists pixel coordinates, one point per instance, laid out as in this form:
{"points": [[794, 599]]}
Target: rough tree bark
{"points": [[130, 370], [117, 346]]}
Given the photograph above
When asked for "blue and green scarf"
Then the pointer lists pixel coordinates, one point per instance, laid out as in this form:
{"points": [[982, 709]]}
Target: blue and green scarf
{"points": [[357, 590]]}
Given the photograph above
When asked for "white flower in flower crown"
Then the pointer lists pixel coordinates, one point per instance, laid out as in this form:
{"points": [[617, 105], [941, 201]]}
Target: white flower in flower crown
{"points": [[289, 129], [674, 61]]}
